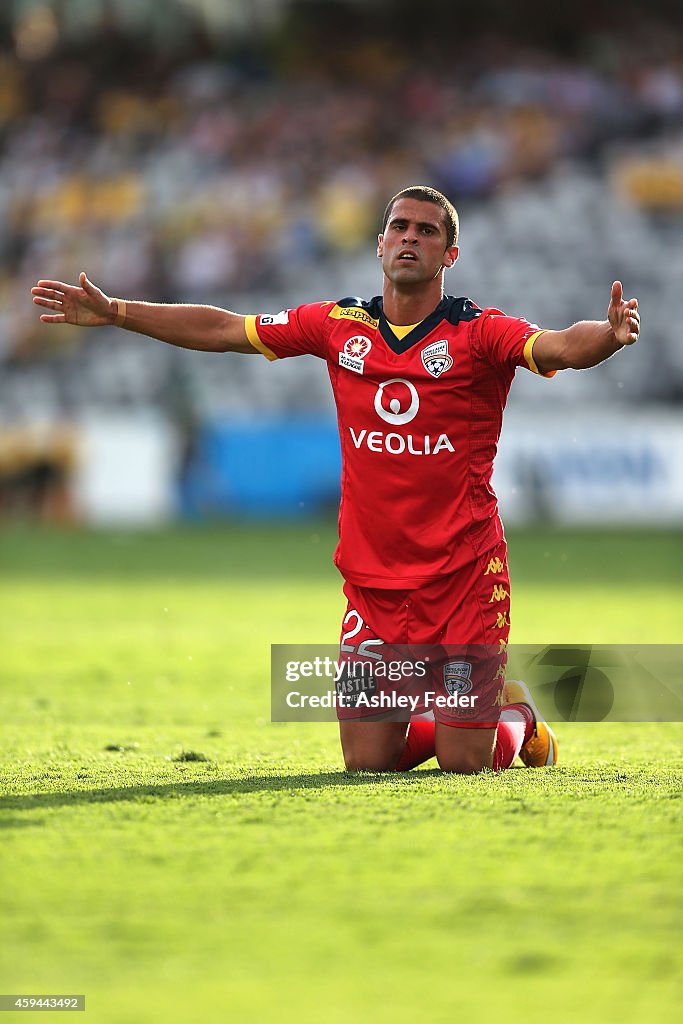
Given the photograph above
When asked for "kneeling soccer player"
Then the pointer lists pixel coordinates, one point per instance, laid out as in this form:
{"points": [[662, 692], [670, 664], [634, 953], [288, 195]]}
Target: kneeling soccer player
{"points": [[420, 380]]}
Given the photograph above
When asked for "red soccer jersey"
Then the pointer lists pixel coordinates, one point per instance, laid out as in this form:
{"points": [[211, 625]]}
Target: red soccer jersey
{"points": [[419, 422]]}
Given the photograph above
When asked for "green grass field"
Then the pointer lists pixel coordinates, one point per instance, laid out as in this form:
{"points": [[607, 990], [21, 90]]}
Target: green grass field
{"points": [[265, 884]]}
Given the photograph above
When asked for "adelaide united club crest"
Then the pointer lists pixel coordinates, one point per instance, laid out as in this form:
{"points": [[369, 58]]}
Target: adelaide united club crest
{"points": [[457, 677], [435, 358]]}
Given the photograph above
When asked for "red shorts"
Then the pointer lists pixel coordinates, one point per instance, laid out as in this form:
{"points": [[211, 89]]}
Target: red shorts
{"points": [[458, 625]]}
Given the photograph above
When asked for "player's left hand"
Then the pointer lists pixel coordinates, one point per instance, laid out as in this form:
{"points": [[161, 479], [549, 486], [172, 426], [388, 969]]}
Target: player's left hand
{"points": [[623, 316]]}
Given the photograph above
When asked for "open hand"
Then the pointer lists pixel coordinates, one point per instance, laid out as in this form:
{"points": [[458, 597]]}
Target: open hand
{"points": [[85, 305], [623, 316]]}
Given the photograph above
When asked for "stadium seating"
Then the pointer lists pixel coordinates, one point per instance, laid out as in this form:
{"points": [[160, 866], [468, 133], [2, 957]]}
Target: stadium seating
{"points": [[256, 188]]}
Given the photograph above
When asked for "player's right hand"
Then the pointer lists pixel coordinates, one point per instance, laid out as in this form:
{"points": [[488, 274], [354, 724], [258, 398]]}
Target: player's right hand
{"points": [[83, 304]]}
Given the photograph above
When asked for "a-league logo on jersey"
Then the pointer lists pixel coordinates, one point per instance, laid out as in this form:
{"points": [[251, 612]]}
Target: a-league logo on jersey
{"points": [[457, 677], [355, 351], [436, 359], [359, 346]]}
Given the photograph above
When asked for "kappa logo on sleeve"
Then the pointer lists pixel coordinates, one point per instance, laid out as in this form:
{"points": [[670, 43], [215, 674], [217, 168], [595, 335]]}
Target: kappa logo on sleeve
{"points": [[435, 358], [353, 313], [281, 318]]}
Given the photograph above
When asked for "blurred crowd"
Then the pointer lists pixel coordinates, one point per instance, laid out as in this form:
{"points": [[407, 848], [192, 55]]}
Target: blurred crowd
{"points": [[211, 177]]}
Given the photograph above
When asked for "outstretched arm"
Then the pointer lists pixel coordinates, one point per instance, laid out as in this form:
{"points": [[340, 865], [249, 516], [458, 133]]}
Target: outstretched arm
{"points": [[591, 341], [205, 328]]}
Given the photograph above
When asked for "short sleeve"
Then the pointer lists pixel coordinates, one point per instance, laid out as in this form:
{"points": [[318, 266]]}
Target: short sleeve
{"points": [[508, 341], [293, 332]]}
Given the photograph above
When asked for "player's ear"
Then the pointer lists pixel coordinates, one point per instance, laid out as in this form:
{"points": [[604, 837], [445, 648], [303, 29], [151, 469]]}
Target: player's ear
{"points": [[450, 256], [380, 245]]}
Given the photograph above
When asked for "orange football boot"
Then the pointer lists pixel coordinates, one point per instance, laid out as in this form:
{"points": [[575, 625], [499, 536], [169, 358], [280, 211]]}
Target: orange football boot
{"points": [[541, 750]]}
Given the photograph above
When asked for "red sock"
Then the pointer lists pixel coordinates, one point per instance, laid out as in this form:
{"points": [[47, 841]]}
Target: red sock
{"points": [[514, 729], [419, 745]]}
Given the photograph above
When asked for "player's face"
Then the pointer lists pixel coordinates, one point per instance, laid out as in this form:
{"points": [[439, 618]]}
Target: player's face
{"points": [[414, 246]]}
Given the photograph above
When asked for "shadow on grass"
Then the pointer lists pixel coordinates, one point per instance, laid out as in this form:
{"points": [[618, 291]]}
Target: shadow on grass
{"points": [[204, 787]]}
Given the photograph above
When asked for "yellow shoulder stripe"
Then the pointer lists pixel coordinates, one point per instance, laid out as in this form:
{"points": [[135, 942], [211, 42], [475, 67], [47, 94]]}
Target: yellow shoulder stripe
{"points": [[529, 355], [252, 335]]}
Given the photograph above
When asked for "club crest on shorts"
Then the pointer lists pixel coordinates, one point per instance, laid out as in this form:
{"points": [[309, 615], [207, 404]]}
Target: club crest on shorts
{"points": [[436, 359], [355, 351], [457, 677]]}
